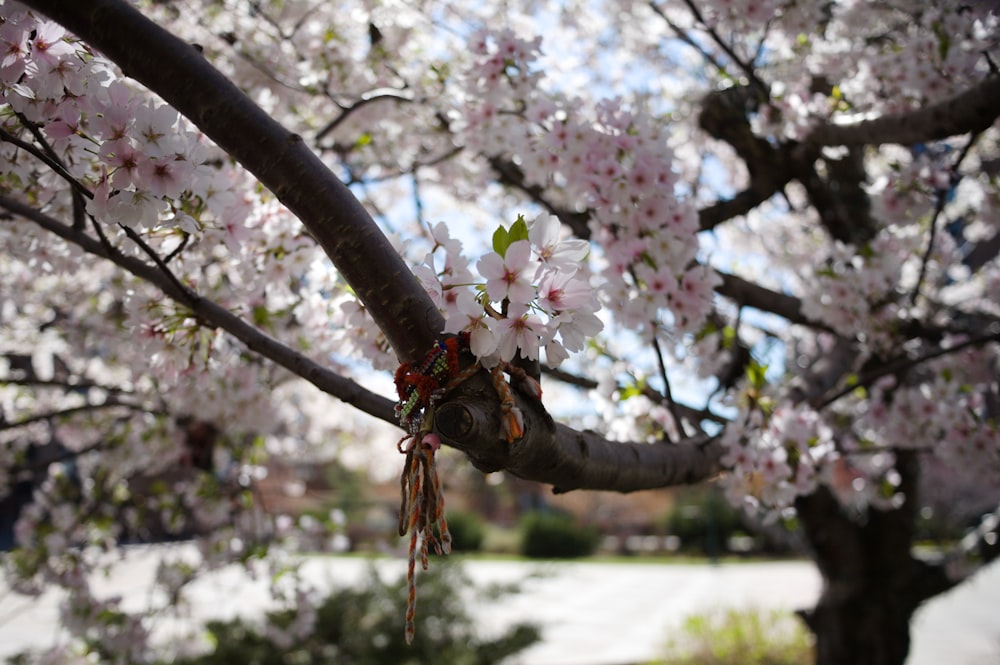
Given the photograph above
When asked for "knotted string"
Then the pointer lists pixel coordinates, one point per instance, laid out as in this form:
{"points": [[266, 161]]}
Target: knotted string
{"points": [[421, 510], [420, 387]]}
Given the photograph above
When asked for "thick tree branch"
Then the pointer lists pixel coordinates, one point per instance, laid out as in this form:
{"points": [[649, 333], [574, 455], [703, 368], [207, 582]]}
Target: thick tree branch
{"points": [[971, 111], [753, 295], [510, 174], [568, 459], [760, 190]]}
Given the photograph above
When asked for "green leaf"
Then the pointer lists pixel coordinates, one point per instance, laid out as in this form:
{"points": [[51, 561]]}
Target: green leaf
{"points": [[261, 316], [755, 374], [518, 230], [633, 390], [501, 241], [728, 337]]}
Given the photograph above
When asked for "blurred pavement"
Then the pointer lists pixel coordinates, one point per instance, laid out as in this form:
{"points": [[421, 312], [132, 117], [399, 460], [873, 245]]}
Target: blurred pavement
{"points": [[590, 613]]}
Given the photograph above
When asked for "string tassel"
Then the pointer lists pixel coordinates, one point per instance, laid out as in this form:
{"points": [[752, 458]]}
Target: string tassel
{"points": [[419, 388], [421, 512]]}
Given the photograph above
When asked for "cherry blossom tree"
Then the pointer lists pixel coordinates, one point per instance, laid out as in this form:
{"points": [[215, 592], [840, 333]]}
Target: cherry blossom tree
{"points": [[759, 239]]}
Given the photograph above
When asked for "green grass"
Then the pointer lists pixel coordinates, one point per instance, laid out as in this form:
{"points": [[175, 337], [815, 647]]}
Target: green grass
{"points": [[740, 637]]}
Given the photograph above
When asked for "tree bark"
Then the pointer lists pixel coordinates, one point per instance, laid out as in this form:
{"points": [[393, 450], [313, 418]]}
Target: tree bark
{"points": [[872, 584], [972, 110], [565, 458]]}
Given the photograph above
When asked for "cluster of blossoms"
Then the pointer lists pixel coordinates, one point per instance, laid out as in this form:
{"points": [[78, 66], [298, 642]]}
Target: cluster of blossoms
{"points": [[865, 291], [616, 161], [536, 294], [145, 158], [130, 371], [855, 292], [774, 455], [946, 413], [148, 169], [936, 58]]}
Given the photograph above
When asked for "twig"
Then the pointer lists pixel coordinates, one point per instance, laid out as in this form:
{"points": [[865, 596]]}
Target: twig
{"points": [[903, 364], [668, 396], [761, 87], [62, 413], [79, 207], [690, 412], [185, 237], [365, 99], [418, 201], [217, 316], [190, 298], [52, 162], [52, 383], [942, 198], [686, 38]]}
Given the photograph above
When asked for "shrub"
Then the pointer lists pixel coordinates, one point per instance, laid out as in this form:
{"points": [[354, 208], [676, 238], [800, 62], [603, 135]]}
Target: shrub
{"points": [[741, 637], [703, 520], [467, 531], [557, 536], [364, 626]]}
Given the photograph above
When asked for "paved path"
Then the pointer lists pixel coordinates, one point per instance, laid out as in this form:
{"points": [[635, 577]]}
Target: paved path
{"points": [[591, 613]]}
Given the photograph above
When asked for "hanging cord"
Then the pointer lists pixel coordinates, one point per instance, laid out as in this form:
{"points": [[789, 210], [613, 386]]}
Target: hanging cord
{"points": [[421, 510], [420, 387]]}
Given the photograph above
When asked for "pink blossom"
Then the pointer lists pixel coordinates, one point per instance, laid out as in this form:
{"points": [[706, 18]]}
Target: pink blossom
{"points": [[519, 331], [14, 39], [558, 291], [48, 46], [508, 277], [553, 252], [468, 315], [165, 176]]}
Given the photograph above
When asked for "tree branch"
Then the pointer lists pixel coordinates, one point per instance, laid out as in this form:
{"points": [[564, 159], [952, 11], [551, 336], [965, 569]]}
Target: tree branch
{"points": [[901, 364], [691, 413], [218, 317], [510, 174], [70, 411], [940, 200], [973, 110], [759, 86], [568, 459], [364, 100], [749, 294], [983, 252]]}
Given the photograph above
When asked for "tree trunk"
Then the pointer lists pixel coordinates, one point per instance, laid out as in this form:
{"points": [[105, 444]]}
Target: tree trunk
{"points": [[872, 582]]}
